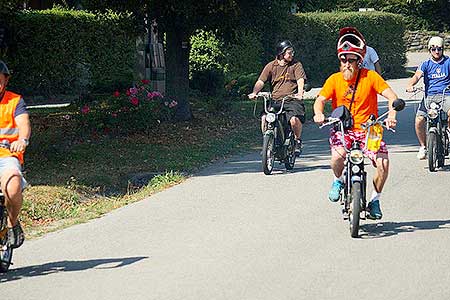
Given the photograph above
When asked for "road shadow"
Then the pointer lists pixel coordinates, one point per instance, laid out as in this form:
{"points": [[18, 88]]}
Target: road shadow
{"points": [[387, 229], [68, 266]]}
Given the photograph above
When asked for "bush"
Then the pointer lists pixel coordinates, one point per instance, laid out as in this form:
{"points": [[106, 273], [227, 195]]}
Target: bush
{"points": [[62, 51], [244, 54], [136, 109], [316, 46]]}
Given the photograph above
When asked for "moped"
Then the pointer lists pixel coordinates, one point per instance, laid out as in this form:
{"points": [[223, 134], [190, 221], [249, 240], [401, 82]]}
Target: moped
{"points": [[353, 195]]}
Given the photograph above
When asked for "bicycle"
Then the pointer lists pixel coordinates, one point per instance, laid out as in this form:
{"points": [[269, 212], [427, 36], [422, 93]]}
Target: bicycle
{"points": [[353, 195]]}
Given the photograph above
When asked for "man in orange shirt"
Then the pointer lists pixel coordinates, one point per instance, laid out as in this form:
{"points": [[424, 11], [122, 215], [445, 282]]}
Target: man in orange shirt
{"points": [[15, 132], [339, 88]]}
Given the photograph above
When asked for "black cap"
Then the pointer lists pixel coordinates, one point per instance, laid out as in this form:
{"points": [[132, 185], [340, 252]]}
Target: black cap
{"points": [[282, 46]]}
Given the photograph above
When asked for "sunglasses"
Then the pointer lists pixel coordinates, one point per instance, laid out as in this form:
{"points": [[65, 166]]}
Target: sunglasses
{"points": [[345, 60], [436, 49]]}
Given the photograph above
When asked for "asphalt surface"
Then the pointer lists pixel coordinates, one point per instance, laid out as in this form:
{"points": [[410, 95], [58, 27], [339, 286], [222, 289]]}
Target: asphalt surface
{"points": [[231, 232]]}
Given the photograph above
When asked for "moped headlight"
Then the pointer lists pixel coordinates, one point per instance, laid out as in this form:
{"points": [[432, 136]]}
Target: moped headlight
{"points": [[434, 105], [356, 156], [432, 113], [270, 117]]}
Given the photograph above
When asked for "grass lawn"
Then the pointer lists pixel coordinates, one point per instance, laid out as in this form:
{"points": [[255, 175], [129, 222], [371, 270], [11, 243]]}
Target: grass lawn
{"points": [[76, 175]]}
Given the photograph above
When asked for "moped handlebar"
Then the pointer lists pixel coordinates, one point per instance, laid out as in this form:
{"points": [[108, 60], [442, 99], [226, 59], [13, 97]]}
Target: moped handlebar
{"points": [[268, 96]]}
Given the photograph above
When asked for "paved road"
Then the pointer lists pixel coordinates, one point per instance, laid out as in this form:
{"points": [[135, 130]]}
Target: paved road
{"points": [[231, 232]]}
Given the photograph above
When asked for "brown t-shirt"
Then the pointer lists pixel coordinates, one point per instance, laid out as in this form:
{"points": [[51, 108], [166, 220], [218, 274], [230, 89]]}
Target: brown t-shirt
{"points": [[283, 79]]}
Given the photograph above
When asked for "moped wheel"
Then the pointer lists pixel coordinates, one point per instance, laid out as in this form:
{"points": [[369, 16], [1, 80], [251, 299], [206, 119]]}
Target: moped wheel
{"points": [[440, 152], [356, 209], [289, 164], [268, 155], [432, 151], [5, 258]]}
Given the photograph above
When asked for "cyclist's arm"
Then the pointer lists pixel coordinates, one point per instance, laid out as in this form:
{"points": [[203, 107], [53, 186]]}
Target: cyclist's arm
{"points": [[257, 88], [23, 124], [378, 67], [413, 80], [319, 106], [391, 96], [300, 89]]}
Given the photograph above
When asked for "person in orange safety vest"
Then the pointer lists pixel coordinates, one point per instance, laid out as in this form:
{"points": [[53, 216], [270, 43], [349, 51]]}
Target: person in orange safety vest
{"points": [[15, 131]]}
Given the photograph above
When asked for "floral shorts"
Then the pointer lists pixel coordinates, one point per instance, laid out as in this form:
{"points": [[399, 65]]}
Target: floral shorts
{"points": [[357, 135]]}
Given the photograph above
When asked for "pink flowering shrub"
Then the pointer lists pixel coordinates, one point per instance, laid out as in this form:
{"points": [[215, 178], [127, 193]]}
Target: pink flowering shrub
{"points": [[135, 109]]}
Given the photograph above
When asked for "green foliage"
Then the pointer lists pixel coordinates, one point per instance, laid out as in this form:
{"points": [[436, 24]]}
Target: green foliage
{"points": [[316, 46], [419, 14], [206, 63], [244, 54], [136, 109], [242, 85], [62, 51]]}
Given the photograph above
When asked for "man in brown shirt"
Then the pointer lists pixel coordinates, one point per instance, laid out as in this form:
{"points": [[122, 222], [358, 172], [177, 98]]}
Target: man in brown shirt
{"points": [[287, 77]]}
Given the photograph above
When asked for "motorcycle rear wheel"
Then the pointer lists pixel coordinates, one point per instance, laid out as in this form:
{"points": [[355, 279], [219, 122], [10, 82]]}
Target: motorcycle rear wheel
{"points": [[290, 163], [356, 209], [432, 151], [268, 155], [5, 258]]}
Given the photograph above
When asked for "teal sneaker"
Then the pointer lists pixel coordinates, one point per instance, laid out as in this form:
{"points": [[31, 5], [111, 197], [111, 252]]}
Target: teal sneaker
{"points": [[374, 210], [335, 191]]}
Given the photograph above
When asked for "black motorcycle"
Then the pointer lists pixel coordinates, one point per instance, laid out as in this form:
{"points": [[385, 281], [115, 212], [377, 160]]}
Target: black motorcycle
{"points": [[278, 138], [437, 136], [353, 195]]}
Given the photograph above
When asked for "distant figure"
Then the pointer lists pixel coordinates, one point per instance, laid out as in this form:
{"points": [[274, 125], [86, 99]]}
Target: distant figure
{"points": [[371, 60]]}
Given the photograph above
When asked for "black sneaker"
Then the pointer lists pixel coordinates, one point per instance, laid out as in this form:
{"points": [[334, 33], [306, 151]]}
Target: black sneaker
{"points": [[16, 237], [298, 147]]}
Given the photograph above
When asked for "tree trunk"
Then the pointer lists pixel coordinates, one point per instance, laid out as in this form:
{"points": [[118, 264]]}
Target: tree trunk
{"points": [[177, 71]]}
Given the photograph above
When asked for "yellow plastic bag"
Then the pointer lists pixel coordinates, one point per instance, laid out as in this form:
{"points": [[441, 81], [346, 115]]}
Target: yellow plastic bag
{"points": [[375, 135]]}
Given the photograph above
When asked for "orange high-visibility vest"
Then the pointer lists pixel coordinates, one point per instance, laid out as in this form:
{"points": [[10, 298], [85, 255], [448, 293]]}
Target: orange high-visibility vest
{"points": [[8, 127]]}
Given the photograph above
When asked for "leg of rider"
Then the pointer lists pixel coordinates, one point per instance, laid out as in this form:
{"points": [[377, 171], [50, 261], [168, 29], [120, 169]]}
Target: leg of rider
{"points": [[297, 127], [11, 182], [263, 123], [337, 165], [337, 161], [381, 173], [379, 179], [420, 130]]}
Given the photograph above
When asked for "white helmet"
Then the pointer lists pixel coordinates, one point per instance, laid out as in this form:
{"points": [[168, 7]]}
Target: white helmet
{"points": [[435, 41]]}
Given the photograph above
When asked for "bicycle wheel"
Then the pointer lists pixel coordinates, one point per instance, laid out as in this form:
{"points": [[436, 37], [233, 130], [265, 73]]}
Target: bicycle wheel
{"points": [[268, 156], [5, 258], [356, 209], [432, 151], [289, 164]]}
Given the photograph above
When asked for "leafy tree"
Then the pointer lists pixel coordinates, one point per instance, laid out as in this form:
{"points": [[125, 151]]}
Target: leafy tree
{"points": [[180, 19]]}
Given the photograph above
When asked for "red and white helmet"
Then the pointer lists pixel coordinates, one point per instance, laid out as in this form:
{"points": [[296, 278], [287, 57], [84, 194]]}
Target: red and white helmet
{"points": [[351, 41]]}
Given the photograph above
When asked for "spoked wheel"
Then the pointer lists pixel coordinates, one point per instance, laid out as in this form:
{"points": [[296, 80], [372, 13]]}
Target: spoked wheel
{"points": [[432, 151], [268, 156], [356, 209], [289, 164], [5, 258]]}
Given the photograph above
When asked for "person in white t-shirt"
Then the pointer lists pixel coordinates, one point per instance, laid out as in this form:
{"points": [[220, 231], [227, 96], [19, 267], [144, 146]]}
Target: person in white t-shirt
{"points": [[371, 60]]}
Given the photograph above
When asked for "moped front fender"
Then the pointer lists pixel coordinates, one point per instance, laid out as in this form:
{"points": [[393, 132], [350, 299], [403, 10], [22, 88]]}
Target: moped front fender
{"points": [[433, 129]]}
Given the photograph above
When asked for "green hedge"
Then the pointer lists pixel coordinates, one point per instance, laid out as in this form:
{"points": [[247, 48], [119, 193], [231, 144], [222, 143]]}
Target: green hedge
{"points": [[315, 35], [61, 51]]}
